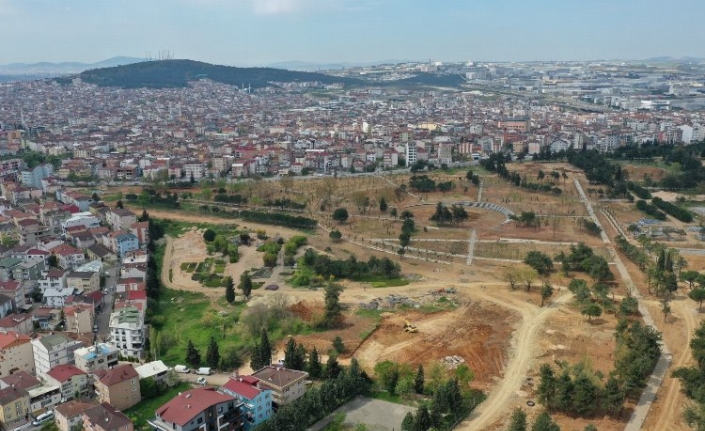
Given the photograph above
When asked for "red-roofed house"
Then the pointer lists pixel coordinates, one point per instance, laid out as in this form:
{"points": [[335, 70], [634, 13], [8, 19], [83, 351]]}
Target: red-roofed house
{"points": [[256, 399], [119, 386], [130, 284], [73, 382], [16, 352], [69, 257], [202, 409], [105, 417], [20, 323]]}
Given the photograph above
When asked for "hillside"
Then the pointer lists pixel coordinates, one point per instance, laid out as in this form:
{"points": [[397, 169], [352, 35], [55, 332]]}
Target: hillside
{"points": [[177, 73]]}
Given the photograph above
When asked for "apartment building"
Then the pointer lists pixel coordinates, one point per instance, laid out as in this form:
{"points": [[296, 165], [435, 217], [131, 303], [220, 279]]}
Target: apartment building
{"points": [[14, 405], [119, 386], [127, 331], [16, 353], [286, 385], [72, 381], [199, 409], [101, 356], [52, 350]]}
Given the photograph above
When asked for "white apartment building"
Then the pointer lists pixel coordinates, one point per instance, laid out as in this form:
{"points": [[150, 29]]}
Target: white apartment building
{"points": [[445, 153], [102, 356], [197, 170], [52, 350], [127, 331], [410, 154]]}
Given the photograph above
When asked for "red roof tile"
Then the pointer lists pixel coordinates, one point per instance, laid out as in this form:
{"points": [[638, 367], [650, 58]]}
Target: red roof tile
{"points": [[189, 404], [62, 373], [240, 387]]}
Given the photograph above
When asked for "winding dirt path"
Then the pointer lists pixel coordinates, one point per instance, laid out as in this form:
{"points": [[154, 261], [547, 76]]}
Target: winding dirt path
{"points": [[523, 352]]}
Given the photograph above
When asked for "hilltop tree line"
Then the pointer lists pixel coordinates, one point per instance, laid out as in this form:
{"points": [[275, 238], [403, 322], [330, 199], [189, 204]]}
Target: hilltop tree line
{"points": [[497, 163]]}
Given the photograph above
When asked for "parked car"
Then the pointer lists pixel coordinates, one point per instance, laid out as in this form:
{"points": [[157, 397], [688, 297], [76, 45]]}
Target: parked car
{"points": [[205, 371], [271, 287], [182, 369], [202, 381], [43, 418]]}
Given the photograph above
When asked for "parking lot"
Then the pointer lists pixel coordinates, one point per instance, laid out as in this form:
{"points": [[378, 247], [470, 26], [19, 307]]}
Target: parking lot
{"points": [[376, 414]]}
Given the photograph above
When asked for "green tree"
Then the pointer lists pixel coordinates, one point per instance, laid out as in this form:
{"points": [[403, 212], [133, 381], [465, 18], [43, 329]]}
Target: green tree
{"points": [[338, 345], [315, 368], [333, 368], [544, 422], [546, 291], [229, 290], [697, 295], [53, 261], [193, 357], [245, 284], [419, 380], [383, 205], [340, 215], [614, 395], [408, 423], [517, 422], [591, 310], [393, 212], [333, 310], [335, 235], [262, 352], [690, 277], [209, 235], [422, 421], [541, 262], [213, 354]]}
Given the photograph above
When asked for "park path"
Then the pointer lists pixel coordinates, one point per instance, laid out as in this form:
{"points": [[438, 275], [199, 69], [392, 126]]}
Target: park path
{"points": [[641, 410], [471, 247]]}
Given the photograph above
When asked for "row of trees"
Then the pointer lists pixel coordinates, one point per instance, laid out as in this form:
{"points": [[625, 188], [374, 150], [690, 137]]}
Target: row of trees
{"points": [[639, 191], [422, 183], [455, 215], [583, 258], [350, 268], [673, 210], [580, 391], [650, 209], [278, 219]]}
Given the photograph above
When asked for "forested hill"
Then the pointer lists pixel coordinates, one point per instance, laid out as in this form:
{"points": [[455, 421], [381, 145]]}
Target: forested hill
{"points": [[177, 73]]}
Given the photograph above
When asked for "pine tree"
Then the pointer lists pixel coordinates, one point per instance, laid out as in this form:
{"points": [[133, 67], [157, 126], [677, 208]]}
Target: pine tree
{"points": [[229, 290], [265, 349], [213, 354], [332, 367], [614, 396], [544, 423], [333, 309], [408, 423], [290, 354], [314, 364], [193, 358], [300, 363], [383, 205], [419, 380], [423, 419], [245, 284], [518, 420]]}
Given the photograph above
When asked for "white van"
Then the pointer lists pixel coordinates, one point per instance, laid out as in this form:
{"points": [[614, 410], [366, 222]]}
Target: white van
{"points": [[205, 371], [43, 418], [181, 369]]}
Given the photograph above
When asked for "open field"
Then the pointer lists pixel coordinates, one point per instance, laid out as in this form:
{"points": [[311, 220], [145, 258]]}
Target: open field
{"points": [[504, 336]]}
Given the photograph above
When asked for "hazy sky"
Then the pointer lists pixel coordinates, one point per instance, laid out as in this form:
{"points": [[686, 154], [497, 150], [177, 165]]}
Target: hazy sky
{"points": [[249, 32]]}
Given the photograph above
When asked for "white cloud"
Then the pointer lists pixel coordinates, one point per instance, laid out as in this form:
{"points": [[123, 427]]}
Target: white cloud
{"points": [[265, 7]]}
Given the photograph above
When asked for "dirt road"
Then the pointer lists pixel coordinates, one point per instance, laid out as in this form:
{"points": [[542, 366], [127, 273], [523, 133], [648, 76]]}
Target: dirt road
{"points": [[524, 351], [667, 412]]}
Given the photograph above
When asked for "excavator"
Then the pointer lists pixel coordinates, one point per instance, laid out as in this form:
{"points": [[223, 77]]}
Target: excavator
{"points": [[408, 327]]}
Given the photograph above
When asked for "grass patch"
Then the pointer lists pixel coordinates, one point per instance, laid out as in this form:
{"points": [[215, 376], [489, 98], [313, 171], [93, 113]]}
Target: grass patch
{"points": [[257, 284], [394, 282], [145, 409], [182, 316]]}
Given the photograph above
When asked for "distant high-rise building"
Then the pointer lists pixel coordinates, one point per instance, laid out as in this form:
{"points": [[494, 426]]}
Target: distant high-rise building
{"points": [[410, 154]]}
